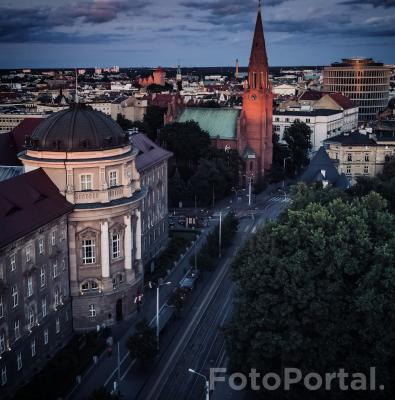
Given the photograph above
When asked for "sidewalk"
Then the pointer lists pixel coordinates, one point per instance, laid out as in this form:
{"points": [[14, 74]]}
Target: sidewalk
{"points": [[101, 373]]}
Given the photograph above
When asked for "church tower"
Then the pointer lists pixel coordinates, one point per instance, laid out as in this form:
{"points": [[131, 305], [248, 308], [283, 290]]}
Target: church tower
{"points": [[255, 141]]}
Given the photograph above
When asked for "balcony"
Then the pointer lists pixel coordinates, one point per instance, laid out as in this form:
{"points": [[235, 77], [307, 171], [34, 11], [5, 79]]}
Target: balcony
{"points": [[107, 195]]}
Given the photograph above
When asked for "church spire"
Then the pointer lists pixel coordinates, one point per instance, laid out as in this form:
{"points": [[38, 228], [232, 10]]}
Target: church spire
{"points": [[258, 57]]}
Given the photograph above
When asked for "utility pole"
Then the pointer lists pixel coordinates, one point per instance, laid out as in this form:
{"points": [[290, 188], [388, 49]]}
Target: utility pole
{"points": [[119, 363], [213, 196], [249, 190], [220, 234], [157, 317]]}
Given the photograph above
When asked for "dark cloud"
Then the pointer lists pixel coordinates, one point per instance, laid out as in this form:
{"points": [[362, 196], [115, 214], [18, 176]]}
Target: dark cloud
{"points": [[40, 24], [374, 3]]}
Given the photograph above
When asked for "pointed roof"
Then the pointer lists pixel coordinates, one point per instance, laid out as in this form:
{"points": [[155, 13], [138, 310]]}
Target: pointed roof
{"points": [[258, 57]]}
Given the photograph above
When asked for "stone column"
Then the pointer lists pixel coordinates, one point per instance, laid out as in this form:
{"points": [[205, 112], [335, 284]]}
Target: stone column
{"points": [[128, 242], [138, 235], [105, 247]]}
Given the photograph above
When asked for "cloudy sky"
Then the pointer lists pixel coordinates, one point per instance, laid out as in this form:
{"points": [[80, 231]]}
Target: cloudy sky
{"points": [[68, 33]]}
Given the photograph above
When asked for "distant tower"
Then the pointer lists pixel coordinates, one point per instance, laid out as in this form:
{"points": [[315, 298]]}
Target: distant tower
{"points": [[159, 76], [255, 141], [179, 78], [237, 69]]}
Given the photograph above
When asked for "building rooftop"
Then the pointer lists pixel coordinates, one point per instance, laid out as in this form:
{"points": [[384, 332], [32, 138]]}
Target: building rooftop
{"points": [[78, 128], [321, 168], [28, 202], [218, 122], [312, 113], [149, 152], [352, 138]]}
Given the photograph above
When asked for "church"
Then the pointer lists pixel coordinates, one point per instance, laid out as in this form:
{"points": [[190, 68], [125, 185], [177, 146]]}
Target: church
{"points": [[247, 130]]}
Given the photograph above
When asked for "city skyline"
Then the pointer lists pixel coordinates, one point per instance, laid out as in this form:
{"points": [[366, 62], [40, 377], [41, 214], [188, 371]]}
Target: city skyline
{"points": [[137, 33]]}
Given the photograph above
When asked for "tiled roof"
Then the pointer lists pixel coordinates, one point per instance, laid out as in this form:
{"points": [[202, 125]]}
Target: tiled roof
{"points": [[28, 202], [149, 152], [11, 143], [220, 122], [311, 95], [344, 102]]}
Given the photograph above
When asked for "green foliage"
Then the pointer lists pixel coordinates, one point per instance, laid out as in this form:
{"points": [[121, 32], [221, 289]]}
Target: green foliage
{"points": [[317, 292], [206, 257], [186, 140], [142, 344], [153, 121], [388, 170], [124, 123], [177, 298], [297, 137]]}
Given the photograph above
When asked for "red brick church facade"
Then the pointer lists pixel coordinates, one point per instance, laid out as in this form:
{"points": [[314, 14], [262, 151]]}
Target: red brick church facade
{"points": [[252, 136]]}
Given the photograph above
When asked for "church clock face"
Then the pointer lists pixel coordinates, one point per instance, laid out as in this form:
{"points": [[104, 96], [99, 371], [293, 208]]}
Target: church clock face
{"points": [[253, 97]]}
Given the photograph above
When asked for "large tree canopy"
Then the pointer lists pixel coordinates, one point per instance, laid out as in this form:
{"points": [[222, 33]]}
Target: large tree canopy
{"points": [[317, 292]]}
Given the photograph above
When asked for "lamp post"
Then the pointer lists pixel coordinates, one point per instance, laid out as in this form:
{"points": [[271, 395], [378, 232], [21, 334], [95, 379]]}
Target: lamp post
{"points": [[205, 381], [285, 158], [220, 234], [157, 311]]}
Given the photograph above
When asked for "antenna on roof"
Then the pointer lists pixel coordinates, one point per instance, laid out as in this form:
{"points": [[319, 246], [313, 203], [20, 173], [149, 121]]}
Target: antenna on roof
{"points": [[76, 86]]}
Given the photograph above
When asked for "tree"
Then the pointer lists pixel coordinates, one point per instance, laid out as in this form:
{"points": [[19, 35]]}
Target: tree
{"points": [[316, 292], [388, 169], [124, 123], [187, 141], [153, 121], [142, 344], [297, 137]]}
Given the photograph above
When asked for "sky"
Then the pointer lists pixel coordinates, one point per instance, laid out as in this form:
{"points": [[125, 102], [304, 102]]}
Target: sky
{"points": [[147, 33]]}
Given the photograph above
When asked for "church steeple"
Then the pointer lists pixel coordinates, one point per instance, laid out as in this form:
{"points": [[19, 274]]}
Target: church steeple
{"points": [[258, 66]]}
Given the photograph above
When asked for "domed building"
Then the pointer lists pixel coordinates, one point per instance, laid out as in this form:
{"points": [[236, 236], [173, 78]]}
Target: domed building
{"points": [[91, 161]]}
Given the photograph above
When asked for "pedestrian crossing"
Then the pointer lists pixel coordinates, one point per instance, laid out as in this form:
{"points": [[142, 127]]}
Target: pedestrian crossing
{"points": [[280, 199]]}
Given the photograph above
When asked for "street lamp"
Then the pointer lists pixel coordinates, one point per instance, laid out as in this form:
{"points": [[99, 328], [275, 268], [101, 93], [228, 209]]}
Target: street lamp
{"points": [[250, 178], [205, 380], [285, 158], [157, 311]]}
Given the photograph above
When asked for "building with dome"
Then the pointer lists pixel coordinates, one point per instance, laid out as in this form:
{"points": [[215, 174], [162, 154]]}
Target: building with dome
{"points": [[91, 161]]}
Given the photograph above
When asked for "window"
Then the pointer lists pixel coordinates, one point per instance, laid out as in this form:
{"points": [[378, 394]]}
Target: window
{"points": [[367, 157], [42, 276], [88, 251], [28, 253], [57, 325], [2, 342], [19, 361], [31, 318], [92, 310], [349, 157], [17, 332], [44, 307], [13, 262], [348, 171], [307, 120], [29, 286], [55, 268], [277, 119], [45, 336], [3, 376], [33, 347], [53, 238], [56, 297], [366, 169], [41, 246], [120, 278], [115, 245], [286, 119], [90, 285], [113, 179], [86, 182], [1, 307], [61, 234], [63, 265], [14, 296]]}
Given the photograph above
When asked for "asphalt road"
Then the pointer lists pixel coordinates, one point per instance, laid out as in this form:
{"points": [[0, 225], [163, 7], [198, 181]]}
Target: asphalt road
{"points": [[199, 343]]}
